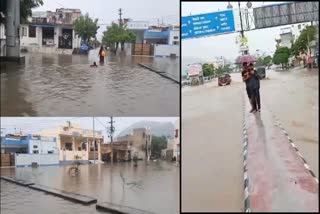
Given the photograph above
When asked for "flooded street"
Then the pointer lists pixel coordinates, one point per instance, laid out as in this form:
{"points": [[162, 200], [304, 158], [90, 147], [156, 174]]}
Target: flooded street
{"points": [[65, 85], [17, 199], [153, 187], [212, 169]]}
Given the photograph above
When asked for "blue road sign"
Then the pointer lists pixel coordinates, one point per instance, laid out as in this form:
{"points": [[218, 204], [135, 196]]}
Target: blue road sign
{"points": [[207, 24]]}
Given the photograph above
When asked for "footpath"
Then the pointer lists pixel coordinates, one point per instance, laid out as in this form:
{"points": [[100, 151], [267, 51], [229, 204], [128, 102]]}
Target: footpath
{"points": [[276, 176]]}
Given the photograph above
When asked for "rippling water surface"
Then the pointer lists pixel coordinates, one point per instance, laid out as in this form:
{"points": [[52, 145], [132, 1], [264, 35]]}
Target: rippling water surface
{"points": [[65, 85], [153, 187]]}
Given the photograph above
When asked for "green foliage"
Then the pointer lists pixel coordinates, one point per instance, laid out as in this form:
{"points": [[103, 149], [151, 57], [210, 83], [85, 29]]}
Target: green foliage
{"points": [[301, 44], [25, 8], [208, 69], [264, 61], [116, 34], [223, 69], [281, 56], [157, 144], [267, 61], [85, 27]]}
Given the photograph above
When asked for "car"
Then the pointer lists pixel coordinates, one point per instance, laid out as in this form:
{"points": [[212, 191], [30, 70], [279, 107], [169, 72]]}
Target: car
{"points": [[84, 48], [224, 79], [261, 71]]}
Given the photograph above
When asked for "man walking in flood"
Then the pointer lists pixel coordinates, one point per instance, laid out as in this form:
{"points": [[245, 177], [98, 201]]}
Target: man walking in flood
{"points": [[102, 54]]}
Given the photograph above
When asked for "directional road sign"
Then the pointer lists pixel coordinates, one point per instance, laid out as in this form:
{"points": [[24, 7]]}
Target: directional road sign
{"points": [[207, 24]]}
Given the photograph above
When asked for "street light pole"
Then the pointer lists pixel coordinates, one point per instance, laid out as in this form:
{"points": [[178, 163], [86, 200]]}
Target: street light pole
{"points": [[242, 33]]}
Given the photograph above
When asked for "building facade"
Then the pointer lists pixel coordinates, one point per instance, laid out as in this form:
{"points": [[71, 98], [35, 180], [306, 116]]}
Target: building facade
{"points": [[30, 149], [51, 32], [76, 143], [138, 143]]}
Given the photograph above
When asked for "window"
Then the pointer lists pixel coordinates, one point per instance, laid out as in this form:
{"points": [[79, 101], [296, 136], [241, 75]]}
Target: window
{"points": [[79, 148], [177, 133], [32, 31], [35, 151], [35, 146], [50, 152], [23, 31], [176, 37], [176, 43], [68, 146]]}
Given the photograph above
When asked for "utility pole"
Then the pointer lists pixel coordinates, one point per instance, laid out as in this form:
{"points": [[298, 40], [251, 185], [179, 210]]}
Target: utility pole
{"points": [[120, 19], [94, 142], [111, 131]]}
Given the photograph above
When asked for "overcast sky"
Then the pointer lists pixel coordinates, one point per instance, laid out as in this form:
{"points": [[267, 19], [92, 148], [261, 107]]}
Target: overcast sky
{"points": [[107, 10], [35, 124], [207, 48]]}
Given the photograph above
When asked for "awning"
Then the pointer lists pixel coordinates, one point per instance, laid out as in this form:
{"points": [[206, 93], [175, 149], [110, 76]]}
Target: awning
{"points": [[156, 35], [47, 26]]}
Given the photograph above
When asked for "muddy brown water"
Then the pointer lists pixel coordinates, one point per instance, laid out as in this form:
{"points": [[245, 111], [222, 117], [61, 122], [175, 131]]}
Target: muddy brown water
{"points": [[65, 85], [153, 187]]}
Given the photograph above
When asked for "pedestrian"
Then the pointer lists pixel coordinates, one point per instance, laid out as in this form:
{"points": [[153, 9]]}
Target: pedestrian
{"points": [[102, 54], [254, 84], [309, 59], [246, 78]]}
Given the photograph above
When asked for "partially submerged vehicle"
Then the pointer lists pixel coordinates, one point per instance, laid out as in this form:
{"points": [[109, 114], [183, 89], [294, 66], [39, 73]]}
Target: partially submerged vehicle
{"points": [[224, 79]]}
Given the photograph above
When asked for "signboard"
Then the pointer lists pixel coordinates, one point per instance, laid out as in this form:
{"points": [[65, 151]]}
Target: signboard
{"points": [[194, 70], [207, 24], [285, 14]]}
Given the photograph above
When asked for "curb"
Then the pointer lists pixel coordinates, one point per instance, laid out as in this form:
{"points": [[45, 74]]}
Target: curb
{"points": [[305, 164], [161, 73], [16, 181], [245, 151]]}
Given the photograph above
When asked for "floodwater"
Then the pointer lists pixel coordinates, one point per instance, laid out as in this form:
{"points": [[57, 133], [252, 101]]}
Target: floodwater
{"points": [[153, 187], [212, 177], [212, 169], [17, 199], [65, 85]]}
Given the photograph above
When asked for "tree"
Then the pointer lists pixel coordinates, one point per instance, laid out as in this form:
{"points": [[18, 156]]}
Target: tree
{"points": [[267, 61], [158, 144], [301, 44], [223, 69], [116, 34], [85, 27], [281, 56], [208, 69], [26, 7]]}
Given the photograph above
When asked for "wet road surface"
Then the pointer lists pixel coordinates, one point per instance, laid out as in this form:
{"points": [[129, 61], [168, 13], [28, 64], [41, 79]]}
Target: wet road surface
{"points": [[212, 174], [17, 199], [278, 180], [153, 187], [65, 85], [212, 150], [293, 98]]}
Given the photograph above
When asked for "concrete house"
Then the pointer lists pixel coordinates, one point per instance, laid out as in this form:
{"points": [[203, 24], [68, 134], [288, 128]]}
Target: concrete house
{"points": [[50, 32], [74, 142]]}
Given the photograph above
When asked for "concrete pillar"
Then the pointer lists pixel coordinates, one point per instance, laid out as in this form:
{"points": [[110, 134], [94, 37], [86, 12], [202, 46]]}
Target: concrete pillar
{"points": [[12, 28], [73, 147], [87, 149], [99, 150]]}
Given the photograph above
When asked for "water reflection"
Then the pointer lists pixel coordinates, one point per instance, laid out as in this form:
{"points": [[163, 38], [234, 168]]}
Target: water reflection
{"points": [[17, 200], [65, 85], [153, 186]]}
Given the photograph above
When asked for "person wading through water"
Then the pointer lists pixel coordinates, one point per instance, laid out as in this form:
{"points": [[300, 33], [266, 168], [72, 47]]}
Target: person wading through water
{"points": [[102, 54]]}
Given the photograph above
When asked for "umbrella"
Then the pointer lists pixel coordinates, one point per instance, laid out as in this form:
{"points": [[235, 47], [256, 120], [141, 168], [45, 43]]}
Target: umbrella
{"points": [[245, 58]]}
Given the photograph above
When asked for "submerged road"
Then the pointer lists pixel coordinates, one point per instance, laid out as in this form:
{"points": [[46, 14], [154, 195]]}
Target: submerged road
{"points": [[212, 159]]}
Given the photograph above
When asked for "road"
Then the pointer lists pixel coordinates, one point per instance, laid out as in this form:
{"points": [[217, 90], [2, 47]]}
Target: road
{"points": [[212, 168], [65, 85]]}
